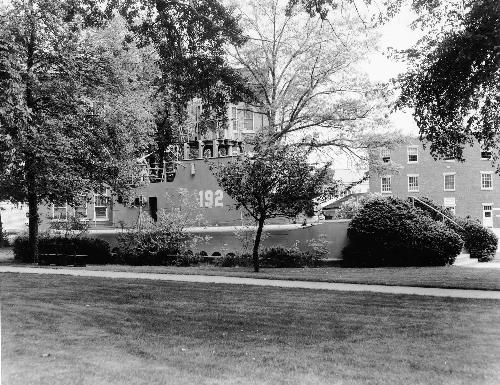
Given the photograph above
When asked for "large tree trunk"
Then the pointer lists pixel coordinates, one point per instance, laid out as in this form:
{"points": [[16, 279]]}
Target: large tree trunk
{"points": [[33, 224], [1, 229], [30, 157], [255, 255]]}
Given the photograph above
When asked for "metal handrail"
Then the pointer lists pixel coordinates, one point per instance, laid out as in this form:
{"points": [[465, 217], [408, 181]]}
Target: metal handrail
{"points": [[437, 211]]}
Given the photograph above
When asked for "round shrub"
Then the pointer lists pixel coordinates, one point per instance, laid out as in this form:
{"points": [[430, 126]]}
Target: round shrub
{"points": [[479, 241], [389, 231]]}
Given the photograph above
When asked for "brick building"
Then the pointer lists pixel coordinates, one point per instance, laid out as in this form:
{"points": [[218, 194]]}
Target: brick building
{"points": [[467, 188]]}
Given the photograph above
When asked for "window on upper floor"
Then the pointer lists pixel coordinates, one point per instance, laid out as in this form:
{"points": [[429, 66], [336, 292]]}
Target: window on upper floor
{"points": [[449, 181], [385, 154], [485, 155], [412, 154], [413, 183], [248, 121], [486, 180], [385, 184]]}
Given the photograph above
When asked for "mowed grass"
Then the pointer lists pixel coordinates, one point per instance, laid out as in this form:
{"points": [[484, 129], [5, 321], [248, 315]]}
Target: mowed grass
{"points": [[456, 277], [105, 331]]}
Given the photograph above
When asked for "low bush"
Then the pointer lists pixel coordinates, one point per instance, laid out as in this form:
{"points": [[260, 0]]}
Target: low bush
{"points": [[232, 260], [148, 248], [389, 231], [97, 250], [4, 239], [479, 241], [188, 259], [288, 257]]}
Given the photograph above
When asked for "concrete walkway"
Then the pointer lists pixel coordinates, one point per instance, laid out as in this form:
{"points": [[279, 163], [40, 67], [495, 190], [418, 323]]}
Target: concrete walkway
{"points": [[437, 292]]}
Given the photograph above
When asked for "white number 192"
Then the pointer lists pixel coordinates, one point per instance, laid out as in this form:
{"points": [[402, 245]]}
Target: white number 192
{"points": [[209, 199]]}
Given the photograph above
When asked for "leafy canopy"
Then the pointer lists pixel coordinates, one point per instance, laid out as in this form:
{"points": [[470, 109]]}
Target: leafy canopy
{"points": [[274, 181], [66, 114], [453, 83]]}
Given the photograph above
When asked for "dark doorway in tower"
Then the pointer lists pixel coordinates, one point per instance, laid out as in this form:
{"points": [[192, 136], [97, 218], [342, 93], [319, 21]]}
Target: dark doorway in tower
{"points": [[153, 208]]}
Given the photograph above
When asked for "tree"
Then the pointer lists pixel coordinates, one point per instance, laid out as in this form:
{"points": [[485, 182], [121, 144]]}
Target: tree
{"points": [[58, 137], [453, 81], [189, 39], [306, 74], [275, 181]]}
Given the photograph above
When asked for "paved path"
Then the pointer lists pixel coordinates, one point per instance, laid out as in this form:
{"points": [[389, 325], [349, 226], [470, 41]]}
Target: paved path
{"points": [[437, 292]]}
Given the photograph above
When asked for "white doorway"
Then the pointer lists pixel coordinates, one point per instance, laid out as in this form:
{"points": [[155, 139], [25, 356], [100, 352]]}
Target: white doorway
{"points": [[487, 215]]}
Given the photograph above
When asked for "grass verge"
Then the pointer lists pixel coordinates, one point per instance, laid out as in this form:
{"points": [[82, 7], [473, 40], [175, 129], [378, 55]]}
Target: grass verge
{"points": [[454, 277], [67, 330]]}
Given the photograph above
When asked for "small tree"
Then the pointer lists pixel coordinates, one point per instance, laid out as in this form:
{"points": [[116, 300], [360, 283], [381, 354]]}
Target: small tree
{"points": [[275, 181]]}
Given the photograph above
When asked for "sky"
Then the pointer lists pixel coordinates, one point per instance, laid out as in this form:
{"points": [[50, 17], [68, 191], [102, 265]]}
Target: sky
{"points": [[395, 34]]}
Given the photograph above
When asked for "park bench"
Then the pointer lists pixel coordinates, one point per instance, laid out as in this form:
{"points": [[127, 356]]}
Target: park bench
{"points": [[62, 259]]}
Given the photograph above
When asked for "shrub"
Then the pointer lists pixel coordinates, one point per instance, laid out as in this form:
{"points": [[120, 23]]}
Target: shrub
{"points": [[389, 231], [231, 260], [21, 249], [148, 248], [4, 239], [163, 242], [188, 259], [97, 250], [288, 257], [479, 241]]}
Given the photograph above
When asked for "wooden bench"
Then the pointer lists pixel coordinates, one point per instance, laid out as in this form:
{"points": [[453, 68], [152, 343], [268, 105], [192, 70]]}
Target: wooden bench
{"points": [[62, 259]]}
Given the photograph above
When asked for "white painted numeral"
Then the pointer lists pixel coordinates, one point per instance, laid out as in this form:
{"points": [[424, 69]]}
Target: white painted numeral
{"points": [[210, 199], [218, 198]]}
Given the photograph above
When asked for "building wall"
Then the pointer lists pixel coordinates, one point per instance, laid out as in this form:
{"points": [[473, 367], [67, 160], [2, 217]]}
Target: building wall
{"points": [[468, 195]]}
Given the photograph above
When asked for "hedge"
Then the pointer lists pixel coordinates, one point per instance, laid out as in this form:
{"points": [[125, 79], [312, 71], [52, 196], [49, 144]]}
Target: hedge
{"points": [[389, 231], [479, 241], [97, 250]]}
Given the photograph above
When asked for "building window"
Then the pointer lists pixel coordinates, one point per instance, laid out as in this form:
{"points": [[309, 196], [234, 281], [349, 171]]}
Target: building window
{"points": [[385, 154], [449, 182], [486, 180], [385, 184], [485, 155], [412, 154], [101, 205], [450, 204], [248, 121], [81, 211], [413, 183], [60, 213]]}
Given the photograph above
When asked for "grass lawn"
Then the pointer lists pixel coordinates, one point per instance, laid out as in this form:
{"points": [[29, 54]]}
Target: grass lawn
{"points": [[456, 277], [104, 331]]}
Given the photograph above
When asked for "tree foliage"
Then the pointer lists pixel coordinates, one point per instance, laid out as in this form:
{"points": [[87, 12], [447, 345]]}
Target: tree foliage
{"points": [[453, 82], [189, 38], [274, 181], [307, 75], [68, 107]]}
